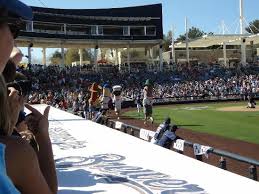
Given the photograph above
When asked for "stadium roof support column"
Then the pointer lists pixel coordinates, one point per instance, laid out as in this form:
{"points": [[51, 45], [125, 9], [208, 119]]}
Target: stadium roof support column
{"points": [[119, 60], [44, 60], [128, 57], [243, 51], [29, 54], [151, 53], [81, 57], [173, 50], [225, 53], [161, 57], [96, 58], [65, 28], [62, 55], [187, 41], [32, 26], [151, 56], [116, 57]]}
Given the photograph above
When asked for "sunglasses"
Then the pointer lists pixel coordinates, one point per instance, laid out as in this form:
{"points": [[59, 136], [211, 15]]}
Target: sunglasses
{"points": [[14, 30]]}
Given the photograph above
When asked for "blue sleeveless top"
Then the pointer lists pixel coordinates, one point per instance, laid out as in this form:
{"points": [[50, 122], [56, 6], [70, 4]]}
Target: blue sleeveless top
{"points": [[6, 185]]}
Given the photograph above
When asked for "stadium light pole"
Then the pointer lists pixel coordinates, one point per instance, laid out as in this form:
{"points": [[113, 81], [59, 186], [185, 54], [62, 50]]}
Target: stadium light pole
{"points": [[187, 41], [242, 31], [241, 19], [173, 50]]}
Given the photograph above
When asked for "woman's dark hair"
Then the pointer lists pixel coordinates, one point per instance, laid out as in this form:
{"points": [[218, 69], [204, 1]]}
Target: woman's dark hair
{"points": [[9, 72], [3, 12], [5, 122], [3, 16]]}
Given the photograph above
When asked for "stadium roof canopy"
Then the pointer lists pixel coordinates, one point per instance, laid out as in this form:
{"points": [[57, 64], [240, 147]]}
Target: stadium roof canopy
{"points": [[210, 40], [138, 26]]}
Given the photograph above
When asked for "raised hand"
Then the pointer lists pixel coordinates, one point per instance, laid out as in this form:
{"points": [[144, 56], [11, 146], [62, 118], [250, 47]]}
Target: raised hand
{"points": [[38, 123], [15, 103]]}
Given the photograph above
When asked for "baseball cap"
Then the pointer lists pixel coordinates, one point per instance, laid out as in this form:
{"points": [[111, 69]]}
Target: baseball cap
{"points": [[168, 120], [174, 127], [17, 8]]}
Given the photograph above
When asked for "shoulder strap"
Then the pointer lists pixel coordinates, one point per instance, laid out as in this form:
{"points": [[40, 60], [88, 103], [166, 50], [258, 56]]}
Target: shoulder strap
{"points": [[2, 158]]}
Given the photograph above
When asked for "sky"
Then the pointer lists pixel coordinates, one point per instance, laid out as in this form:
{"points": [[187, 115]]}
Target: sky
{"points": [[204, 14]]}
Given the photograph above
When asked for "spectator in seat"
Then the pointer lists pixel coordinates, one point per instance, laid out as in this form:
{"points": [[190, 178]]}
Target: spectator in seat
{"points": [[168, 137], [22, 170], [251, 102], [162, 128]]}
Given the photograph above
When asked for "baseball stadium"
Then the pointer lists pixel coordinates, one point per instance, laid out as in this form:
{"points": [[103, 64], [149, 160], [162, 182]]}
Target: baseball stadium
{"points": [[129, 97]]}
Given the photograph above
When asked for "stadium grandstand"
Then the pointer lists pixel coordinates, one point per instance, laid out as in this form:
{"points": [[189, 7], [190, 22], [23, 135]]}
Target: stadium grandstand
{"points": [[116, 28], [225, 48]]}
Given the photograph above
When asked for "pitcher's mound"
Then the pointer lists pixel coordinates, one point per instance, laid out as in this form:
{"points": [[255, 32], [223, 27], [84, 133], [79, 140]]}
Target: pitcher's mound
{"points": [[239, 109]]}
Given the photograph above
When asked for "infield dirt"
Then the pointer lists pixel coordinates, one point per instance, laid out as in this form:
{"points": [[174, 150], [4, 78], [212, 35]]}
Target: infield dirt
{"points": [[238, 109]]}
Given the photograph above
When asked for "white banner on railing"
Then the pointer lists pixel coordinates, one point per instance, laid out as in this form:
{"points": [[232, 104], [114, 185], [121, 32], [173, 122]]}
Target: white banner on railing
{"points": [[179, 145], [118, 125], [201, 149], [146, 134]]}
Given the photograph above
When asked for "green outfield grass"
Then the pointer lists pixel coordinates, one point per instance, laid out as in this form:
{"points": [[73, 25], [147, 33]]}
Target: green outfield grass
{"points": [[206, 118]]}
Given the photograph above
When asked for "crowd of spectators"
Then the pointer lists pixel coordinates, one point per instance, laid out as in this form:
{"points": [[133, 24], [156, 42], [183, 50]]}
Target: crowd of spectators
{"points": [[68, 87]]}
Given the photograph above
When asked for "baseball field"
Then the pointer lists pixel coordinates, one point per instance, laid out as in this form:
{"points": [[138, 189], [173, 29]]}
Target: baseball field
{"points": [[232, 120]]}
